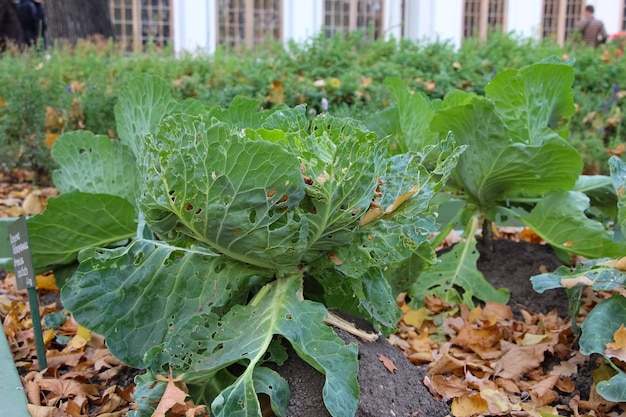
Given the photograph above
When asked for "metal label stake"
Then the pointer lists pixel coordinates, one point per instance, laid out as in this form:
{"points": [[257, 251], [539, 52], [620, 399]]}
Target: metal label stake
{"points": [[25, 277]]}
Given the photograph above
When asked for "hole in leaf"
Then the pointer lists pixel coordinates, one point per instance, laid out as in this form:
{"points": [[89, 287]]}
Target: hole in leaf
{"points": [[198, 211], [284, 198], [219, 268], [288, 317], [188, 207], [271, 193], [138, 258], [252, 216], [173, 258]]}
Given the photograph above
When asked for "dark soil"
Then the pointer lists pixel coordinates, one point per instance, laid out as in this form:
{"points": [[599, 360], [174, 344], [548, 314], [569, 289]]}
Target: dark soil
{"points": [[402, 393], [511, 264], [383, 393]]}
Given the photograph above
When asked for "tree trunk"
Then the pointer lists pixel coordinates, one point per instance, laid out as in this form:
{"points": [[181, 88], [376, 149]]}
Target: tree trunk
{"points": [[76, 19]]}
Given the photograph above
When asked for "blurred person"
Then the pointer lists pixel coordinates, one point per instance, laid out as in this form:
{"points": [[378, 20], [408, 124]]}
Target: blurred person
{"points": [[592, 29], [10, 27], [28, 18], [41, 24]]}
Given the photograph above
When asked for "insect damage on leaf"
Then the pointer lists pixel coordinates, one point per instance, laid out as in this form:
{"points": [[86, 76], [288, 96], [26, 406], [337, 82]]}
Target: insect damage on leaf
{"points": [[401, 199], [375, 210]]}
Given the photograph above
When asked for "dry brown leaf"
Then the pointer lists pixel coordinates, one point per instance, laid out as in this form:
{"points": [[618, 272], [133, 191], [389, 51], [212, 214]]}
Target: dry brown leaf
{"points": [[507, 385], [401, 199], [110, 373], [481, 340], [41, 411], [113, 402], [570, 366], [547, 384], [57, 359], [50, 138], [444, 362], [565, 385], [620, 264], [422, 343], [575, 282], [501, 311], [66, 388], [447, 387], [196, 411], [388, 363], [527, 235], [33, 392], [617, 349], [33, 204], [74, 408], [420, 358], [402, 344], [519, 359], [542, 400], [172, 396], [121, 413]]}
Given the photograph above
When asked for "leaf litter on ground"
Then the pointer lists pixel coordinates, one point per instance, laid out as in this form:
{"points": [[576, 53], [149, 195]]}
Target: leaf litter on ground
{"points": [[483, 360]]}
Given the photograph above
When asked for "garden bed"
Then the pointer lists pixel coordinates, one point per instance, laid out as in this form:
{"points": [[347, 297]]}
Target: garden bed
{"points": [[84, 375], [85, 378]]}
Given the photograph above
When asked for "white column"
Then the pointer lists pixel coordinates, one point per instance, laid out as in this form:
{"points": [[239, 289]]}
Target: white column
{"points": [[302, 19], [194, 26], [431, 20], [448, 21], [524, 18], [418, 19], [392, 19]]}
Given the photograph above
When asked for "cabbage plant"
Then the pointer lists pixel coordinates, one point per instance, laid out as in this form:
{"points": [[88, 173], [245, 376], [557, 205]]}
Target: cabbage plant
{"points": [[518, 168], [208, 238], [602, 329]]}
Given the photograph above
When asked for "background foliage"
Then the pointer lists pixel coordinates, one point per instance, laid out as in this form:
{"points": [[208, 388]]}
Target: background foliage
{"points": [[77, 88]]}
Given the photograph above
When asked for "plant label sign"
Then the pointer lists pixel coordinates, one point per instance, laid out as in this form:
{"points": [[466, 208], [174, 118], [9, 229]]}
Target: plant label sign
{"points": [[22, 258]]}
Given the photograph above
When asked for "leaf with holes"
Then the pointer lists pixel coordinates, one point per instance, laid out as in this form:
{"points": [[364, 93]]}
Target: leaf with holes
{"points": [[237, 208]]}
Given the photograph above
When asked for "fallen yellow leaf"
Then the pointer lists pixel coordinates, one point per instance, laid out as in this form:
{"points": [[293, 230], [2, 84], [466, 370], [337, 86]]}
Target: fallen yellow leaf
{"points": [[46, 282], [497, 401], [415, 318], [469, 406], [84, 333]]}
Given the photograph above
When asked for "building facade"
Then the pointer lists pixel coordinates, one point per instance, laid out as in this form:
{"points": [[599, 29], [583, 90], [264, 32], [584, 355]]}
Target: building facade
{"points": [[202, 25]]}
